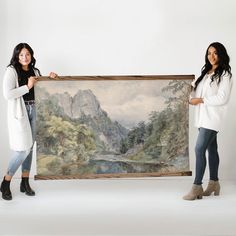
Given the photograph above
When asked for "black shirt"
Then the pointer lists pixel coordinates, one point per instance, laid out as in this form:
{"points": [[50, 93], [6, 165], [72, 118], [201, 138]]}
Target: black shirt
{"points": [[23, 80]]}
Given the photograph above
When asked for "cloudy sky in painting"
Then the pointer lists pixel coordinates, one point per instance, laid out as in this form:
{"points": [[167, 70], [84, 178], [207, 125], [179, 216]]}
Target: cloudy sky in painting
{"points": [[127, 102]]}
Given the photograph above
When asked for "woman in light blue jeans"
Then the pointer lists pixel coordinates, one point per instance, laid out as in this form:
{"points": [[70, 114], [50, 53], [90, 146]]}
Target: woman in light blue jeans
{"points": [[18, 89]]}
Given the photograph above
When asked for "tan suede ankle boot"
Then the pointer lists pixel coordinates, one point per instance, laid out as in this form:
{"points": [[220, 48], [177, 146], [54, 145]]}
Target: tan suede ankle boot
{"points": [[213, 187], [196, 192]]}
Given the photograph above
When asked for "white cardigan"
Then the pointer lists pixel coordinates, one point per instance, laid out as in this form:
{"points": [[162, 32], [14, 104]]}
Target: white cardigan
{"points": [[211, 113], [20, 134]]}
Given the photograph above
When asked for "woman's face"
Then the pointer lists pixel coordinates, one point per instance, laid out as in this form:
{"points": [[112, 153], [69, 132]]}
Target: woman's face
{"points": [[213, 56], [24, 58]]}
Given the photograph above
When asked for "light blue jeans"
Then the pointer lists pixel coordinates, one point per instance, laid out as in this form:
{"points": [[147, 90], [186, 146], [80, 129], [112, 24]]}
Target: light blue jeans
{"points": [[206, 141], [24, 158]]}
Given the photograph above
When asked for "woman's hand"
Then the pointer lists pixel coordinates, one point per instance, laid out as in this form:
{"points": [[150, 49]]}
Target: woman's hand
{"points": [[196, 101], [31, 81], [53, 75]]}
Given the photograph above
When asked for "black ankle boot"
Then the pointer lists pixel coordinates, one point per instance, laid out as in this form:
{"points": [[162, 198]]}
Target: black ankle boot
{"points": [[25, 187], [5, 189]]}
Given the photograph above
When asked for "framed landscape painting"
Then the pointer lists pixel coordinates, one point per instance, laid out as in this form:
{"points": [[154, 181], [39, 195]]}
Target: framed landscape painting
{"points": [[112, 126]]}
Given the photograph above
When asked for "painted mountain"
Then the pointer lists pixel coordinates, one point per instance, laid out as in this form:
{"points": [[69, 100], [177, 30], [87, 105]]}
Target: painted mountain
{"points": [[84, 108]]}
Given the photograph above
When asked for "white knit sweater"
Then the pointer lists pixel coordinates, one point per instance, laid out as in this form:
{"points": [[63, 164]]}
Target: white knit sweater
{"points": [[211, 113], [20, 135]]}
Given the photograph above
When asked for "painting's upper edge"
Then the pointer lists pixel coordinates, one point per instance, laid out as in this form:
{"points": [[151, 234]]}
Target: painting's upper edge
{"points": [[120, 77]]}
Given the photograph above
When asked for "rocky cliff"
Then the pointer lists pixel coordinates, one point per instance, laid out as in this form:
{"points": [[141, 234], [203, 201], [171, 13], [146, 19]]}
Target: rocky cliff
{"points": [[85, 108]]}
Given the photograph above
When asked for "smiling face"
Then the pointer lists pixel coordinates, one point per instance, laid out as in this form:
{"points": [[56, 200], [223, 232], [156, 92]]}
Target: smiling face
{"points": [[212, 56], [25, 58]]}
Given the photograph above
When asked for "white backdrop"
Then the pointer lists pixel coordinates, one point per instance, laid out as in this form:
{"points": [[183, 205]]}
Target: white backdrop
{"points": [[121, 37]]}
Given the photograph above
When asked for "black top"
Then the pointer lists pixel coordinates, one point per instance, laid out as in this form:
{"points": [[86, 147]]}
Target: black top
{"points": [[23, 80]]}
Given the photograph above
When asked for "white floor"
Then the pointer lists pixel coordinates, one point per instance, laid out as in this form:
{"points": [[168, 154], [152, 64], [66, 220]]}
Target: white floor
{"points": [[108, 207]]}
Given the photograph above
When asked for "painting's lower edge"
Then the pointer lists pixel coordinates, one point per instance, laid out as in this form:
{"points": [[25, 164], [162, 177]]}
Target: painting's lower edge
{"points": [[123, 175]]}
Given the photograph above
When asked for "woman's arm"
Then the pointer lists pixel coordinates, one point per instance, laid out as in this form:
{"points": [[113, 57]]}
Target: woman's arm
{"points": [[196, 101]]}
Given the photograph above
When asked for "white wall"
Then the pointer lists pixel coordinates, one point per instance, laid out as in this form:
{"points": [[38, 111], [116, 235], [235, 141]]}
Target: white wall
{"points": [[115, 37]]}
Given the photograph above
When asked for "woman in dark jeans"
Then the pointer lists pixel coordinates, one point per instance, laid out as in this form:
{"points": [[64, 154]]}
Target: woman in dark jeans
{"points": [[18, 89], [210, 95]]}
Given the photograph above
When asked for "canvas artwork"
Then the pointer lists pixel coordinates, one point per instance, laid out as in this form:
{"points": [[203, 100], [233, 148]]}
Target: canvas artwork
{"points": [[120, 126]]}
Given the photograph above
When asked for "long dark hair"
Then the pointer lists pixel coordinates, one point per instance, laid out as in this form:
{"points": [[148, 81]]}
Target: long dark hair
{"points": [[223, 64], [15, 58]]}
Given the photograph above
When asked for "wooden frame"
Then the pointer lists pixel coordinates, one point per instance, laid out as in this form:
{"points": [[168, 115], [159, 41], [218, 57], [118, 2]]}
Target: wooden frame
{"points": [[112, 126]]}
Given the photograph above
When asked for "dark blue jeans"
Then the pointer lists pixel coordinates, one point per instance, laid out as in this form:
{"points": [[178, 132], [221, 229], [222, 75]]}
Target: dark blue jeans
{"points": [[206, 141]]}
